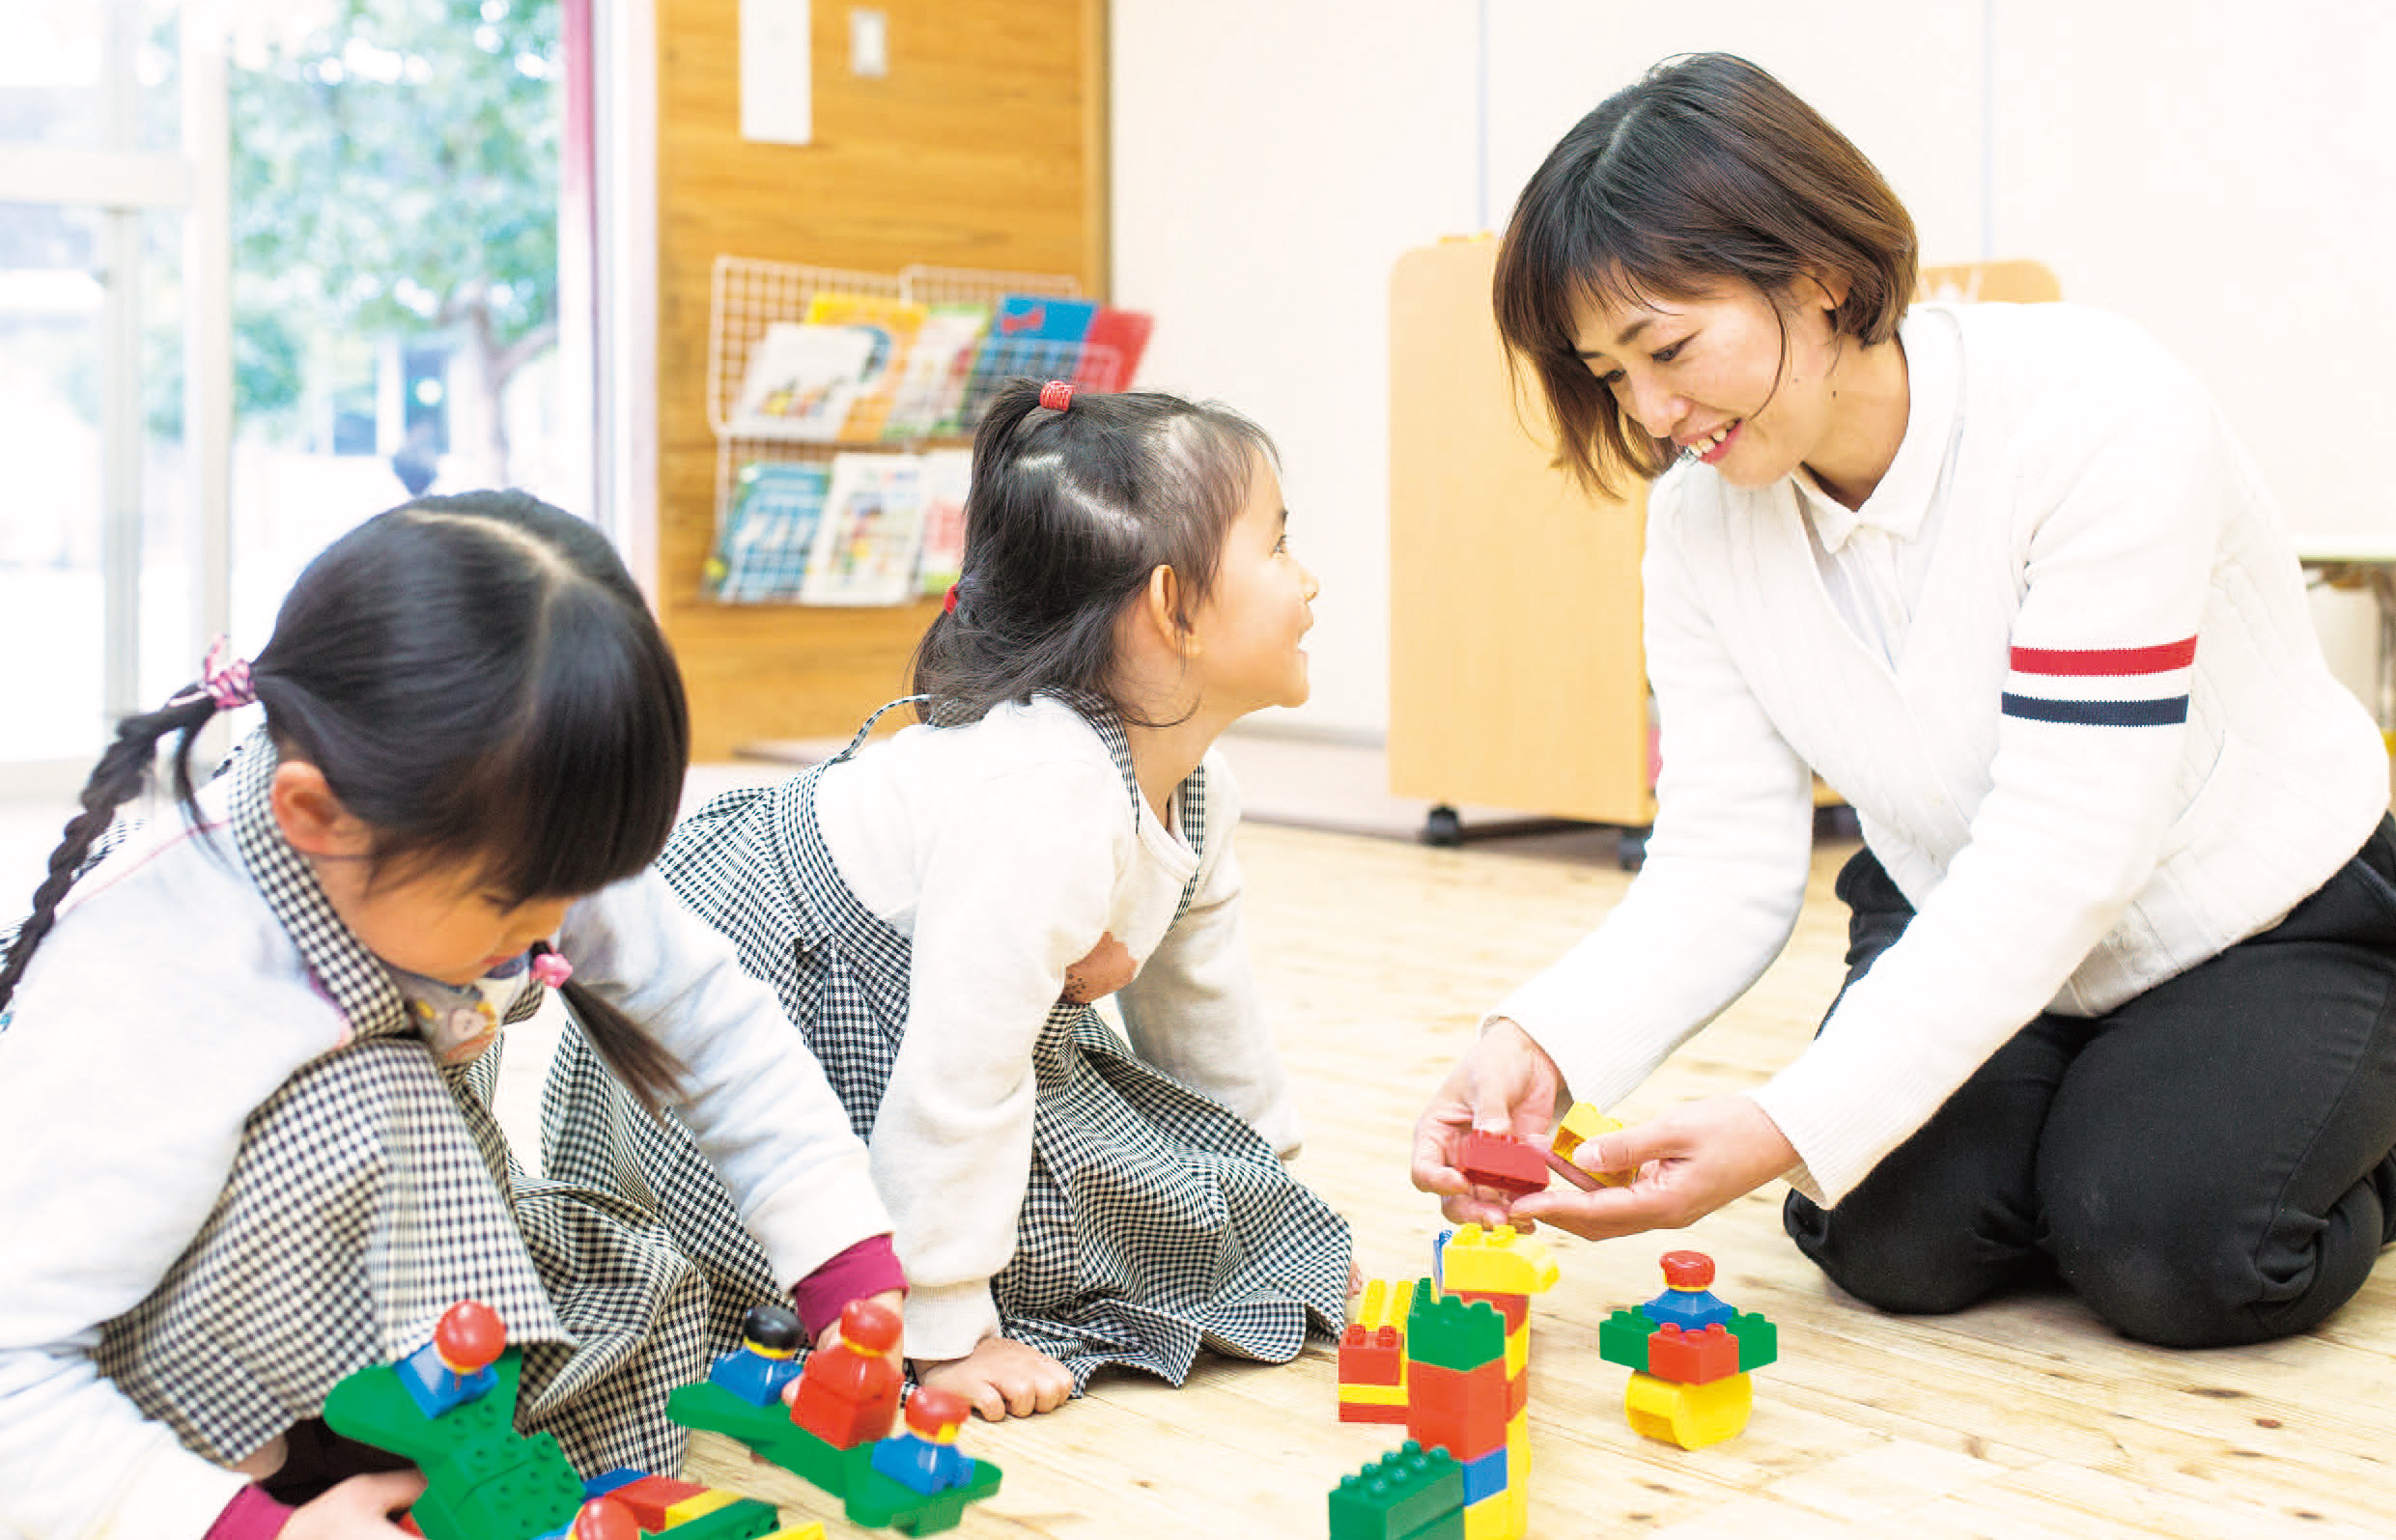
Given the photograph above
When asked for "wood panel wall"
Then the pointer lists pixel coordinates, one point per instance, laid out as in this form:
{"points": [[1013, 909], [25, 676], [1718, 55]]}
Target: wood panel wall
{"points": [[984, 147]]}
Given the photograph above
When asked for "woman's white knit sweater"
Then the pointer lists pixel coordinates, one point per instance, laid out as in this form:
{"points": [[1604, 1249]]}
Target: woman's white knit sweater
{"points": [[2060, 663]]}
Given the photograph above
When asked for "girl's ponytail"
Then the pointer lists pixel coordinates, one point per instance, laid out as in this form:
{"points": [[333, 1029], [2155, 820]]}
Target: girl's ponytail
{"points": [[645, 1066], [120, 776]]}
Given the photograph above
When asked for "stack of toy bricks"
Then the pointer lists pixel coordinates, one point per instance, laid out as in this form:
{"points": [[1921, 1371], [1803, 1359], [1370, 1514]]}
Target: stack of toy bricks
{"points": [[1690, 1355], [1459, 1382]]}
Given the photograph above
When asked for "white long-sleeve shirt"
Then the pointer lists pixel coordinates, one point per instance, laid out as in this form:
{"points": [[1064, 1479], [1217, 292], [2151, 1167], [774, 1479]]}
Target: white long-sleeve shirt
{"points": [[165, 1006], [1005, 849], [1992, 661]]}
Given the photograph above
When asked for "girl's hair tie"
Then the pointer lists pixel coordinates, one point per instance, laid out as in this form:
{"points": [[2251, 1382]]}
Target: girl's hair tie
{"points": [[1057, 395], [223, 679], [949, 605], [550, 967]]}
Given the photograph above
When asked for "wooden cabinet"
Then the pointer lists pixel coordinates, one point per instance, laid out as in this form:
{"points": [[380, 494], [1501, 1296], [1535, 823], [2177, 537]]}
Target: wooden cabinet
{"points": [[1517, 679]]}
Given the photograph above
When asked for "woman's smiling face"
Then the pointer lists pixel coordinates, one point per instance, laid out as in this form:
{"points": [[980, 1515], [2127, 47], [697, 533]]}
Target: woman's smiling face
{"points": [[1728, 376]]}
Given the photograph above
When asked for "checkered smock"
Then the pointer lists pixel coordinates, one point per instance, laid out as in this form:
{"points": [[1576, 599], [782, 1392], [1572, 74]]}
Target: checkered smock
{"points": [[374, 1189], [1155, 1222]]}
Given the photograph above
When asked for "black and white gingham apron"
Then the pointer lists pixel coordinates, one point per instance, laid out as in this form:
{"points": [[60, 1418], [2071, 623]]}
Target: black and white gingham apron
{"points": [[372, 1191], [1155, 1222]]}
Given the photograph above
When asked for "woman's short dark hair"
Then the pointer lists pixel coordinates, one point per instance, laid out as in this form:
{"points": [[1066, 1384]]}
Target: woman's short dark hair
{"points": [[1066, 516], [1708, 171]]}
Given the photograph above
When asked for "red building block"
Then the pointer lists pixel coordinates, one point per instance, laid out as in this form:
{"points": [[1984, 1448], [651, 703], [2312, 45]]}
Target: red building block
{"points": [[648, 1500], [1693, 1358], [1371, 1355], [1515, 1308], [1502, 1162], [849, 1393], [1461, 1411]]}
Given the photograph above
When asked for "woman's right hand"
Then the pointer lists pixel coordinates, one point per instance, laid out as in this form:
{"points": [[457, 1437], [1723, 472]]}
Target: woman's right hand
{"points": [[1001, 1377], [1505, 1083], [361, 1508]]}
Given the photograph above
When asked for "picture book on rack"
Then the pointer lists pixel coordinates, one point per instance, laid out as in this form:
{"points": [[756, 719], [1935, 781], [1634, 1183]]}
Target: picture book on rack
{"points": [[891, 328], [802, 380], [768, 532], [947, 472], [872, 531]]}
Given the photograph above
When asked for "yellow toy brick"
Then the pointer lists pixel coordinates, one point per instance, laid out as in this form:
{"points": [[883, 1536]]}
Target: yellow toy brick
{"points": [[1690, 1416], [1499, 1261], [1578, 1127], [690, 1508]]}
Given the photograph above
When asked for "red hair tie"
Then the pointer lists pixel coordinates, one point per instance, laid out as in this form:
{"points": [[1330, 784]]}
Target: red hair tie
{"points": [[949, 605], [1057, 395]]}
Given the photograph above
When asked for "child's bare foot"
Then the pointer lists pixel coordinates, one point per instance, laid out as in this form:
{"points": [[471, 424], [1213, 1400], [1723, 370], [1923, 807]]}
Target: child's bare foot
{"points": [[1002, 1378]]}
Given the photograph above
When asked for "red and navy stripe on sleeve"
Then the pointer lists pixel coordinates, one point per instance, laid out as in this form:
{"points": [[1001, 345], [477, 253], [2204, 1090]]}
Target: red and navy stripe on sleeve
{"points": [[2111, 687]]}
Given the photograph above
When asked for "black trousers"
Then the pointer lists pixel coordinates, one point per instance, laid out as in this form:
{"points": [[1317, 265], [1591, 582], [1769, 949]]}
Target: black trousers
{"points": [[2208, 1164]]}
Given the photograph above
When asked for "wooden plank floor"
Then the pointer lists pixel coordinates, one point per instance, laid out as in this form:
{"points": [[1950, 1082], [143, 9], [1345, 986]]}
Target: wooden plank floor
{"points": [[2015, 1421]]}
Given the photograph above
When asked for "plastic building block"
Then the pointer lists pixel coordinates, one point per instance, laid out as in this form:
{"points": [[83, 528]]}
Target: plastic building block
{"points": [[849, 1392], [1758, 1341], [1496, 1261], [1452, 1333], [1484, 1475], [1373, 1403], [1409, 1494], [483, 1479], [738, 1519], [1500, 1161], [925, 1457], [867, 1496], [1371, 1355], [1685, 1302], [692, 1508], [603, 1520], [1501, 1516], [767, 1358], [1693, 1358], [1690, 1416], [1515, 1308], [650, 1500], [599, 1486], [455, 1367], [1578, 1127], [1464, 1411], [1622, 1339]]}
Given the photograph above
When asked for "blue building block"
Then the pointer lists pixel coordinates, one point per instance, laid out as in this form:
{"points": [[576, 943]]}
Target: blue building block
{"points": [[436, 1389], [921, 1466], [1689, 1309], [753, 1377], [1484, 1478]]}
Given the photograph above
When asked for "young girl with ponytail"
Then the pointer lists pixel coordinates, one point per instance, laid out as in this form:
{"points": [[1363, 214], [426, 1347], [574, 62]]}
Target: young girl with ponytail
{"points": [[938, 908], [246, 1144]]}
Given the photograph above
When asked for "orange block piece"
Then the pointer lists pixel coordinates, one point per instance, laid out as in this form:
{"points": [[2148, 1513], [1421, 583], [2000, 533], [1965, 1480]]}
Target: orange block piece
{"points": [[1693, 1358], [1502, 1162], [651, 1498]]}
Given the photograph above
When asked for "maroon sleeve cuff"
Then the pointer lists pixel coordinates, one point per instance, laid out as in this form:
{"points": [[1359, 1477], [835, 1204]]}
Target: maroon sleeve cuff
{"points": [[251, 1514], [870, 1267]]}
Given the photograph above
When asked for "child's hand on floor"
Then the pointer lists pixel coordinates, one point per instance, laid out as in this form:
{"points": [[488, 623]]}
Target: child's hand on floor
{"points": [[361, 1508], [1000, 1377]]}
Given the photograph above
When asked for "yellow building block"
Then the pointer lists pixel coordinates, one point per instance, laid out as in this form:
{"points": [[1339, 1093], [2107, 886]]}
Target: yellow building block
{"points": [[1499, 1261], [805, 1532], [690, 1508], [1690, 1416], [1384, 1303], [1518, 1350], [1579, 1126], [1373, 1395], [1502, 1515]]}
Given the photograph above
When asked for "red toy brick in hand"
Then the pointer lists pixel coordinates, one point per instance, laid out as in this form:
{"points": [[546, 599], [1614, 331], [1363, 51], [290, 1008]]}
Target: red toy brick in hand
{"points": [[1502, 1162]]}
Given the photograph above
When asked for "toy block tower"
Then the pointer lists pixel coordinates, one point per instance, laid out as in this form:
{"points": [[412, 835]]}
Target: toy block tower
{"points": [[1502, 1269], [1690, 1355], [1409, 1494], [1458, 1399], [1372, 1355]]}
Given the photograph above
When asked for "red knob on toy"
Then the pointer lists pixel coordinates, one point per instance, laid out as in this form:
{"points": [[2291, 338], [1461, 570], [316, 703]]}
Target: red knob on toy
{"points": [[932, 1412], [869, 1326], [469, 1336], [1688, 1270], [604, 1519]]}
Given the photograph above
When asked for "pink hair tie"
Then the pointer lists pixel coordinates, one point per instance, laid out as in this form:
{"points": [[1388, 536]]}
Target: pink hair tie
{"points": [[549, 966], [223, 679], [1057, 395]]}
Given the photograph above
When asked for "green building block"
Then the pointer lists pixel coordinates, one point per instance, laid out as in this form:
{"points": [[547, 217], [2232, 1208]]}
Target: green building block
{"points": [[745, 1520], [1623, 1339], [1451, 1334], [1409, 1494], [867, 1496], [483, 1479], [1758, 1341]]}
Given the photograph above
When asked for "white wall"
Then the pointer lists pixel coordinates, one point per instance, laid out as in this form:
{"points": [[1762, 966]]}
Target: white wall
{"points": [[2221, 174]]}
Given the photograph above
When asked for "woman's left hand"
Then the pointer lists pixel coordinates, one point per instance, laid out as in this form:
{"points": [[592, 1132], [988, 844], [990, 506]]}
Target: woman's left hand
{"points": [[1690, 1161]]}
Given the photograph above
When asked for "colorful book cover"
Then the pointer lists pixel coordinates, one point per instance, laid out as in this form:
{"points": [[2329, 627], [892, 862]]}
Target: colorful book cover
{"points": [[768, 532], [801, 382], [946, 474], [890, 326], [872, 531], [933, 378], [1036, 336], [1110, 348]]}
